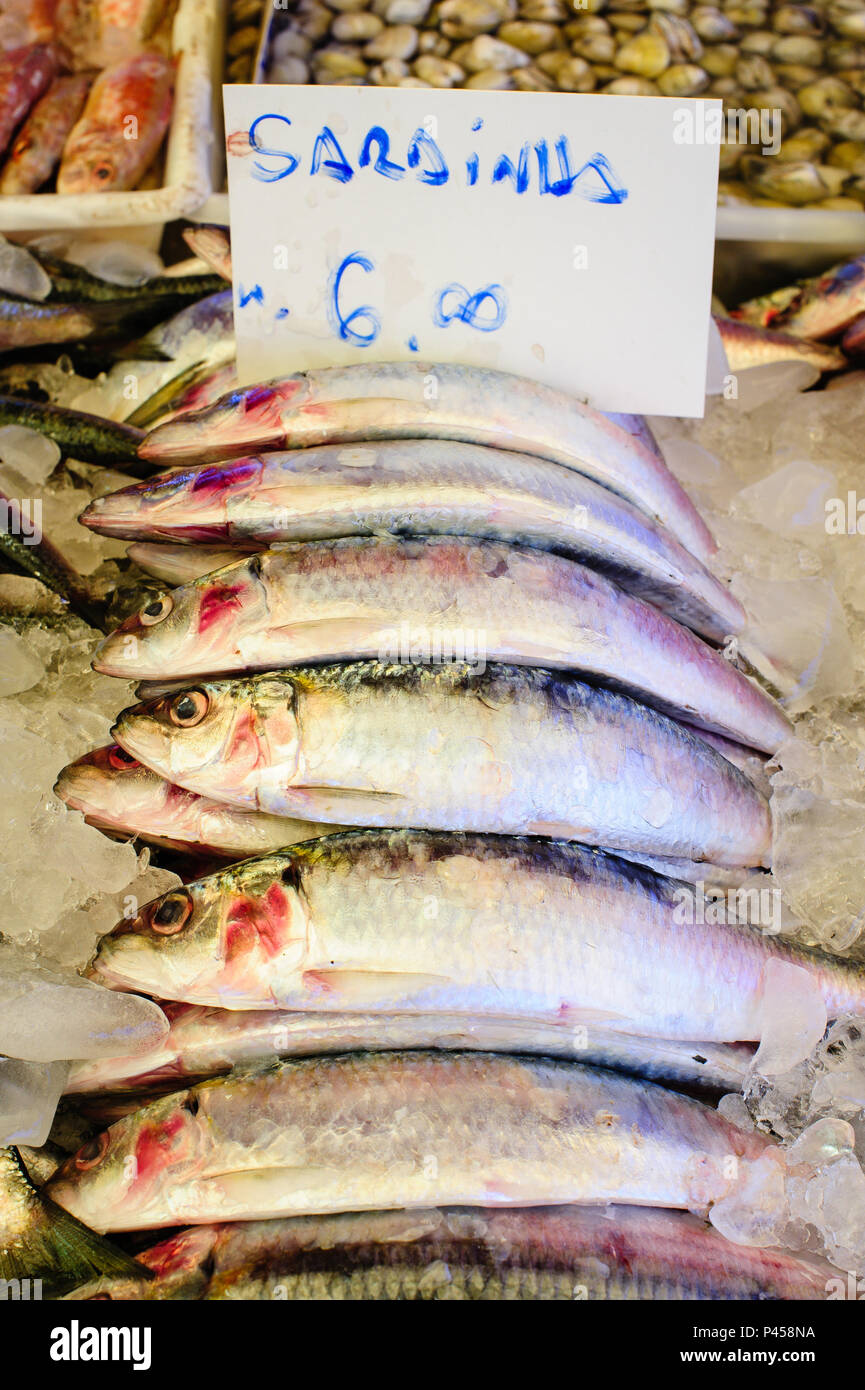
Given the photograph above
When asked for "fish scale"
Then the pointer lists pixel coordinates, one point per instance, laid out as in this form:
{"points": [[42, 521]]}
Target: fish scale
{"points": [[506, 750], [422, 487], [371, 1131], [478, 926]]}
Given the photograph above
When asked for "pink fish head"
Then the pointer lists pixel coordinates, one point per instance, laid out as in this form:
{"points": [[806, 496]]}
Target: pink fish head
{"points": [[194, 630], [231, 938]]}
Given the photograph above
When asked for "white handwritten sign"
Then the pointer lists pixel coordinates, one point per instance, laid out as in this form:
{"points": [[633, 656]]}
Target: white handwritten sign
{"points": [[566, 238]]}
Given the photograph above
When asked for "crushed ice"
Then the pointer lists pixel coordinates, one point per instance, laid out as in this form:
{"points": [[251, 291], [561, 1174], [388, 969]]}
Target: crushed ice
{"points": [[778, 477], [775, 473]]}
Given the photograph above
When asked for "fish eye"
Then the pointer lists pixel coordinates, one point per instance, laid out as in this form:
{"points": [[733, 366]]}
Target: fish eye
{"points": [[92, 1152], [157, 610], [119, 758], [188, 708], [103, 171], [171, 913]]}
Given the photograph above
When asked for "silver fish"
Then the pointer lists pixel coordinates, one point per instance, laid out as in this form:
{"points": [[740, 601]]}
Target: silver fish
{"points": [[119, 795], [402, 400], [371, 1131], [395, 922], [206, 1041], [434, 599], [446, 748], [533, 1253], [421, 487]]}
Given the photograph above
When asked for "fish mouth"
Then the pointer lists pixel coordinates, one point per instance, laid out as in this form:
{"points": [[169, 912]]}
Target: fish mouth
{"points": [[73, 786], [177, 441], [109, 659], [144, 738], [98, 517]]}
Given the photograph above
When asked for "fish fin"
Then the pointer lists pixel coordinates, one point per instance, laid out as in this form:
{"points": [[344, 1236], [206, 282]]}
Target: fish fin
{"points": [[40, 1240], [357, 988]]}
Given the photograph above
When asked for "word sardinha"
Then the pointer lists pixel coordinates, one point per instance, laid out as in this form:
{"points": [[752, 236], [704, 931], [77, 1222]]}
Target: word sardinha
{"points": [[535, 165]]}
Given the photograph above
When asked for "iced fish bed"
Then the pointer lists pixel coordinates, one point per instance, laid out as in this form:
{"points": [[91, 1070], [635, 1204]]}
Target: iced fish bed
{"points": [[63, 883], [750, 469], [776, 472]]}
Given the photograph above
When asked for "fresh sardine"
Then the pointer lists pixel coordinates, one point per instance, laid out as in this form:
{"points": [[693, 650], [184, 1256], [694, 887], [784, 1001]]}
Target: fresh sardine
{"points": [[205, 1041], [399, 921], [535, 1253], [423, 487], [433, 400], [507, 750], [212, 245], [119, 795], [428, 600], [387, 1130], [749, 345]]}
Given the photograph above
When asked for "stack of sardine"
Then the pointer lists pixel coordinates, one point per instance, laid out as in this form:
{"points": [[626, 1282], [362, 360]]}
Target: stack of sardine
{"points": [[441, 690]]}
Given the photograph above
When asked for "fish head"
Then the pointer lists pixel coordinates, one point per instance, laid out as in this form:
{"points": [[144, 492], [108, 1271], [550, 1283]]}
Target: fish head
{"points": [[96, 167], [111, 788], [215, 737], [240, 422], [182, 504], [126, 1166], [194, 629], [229, 939]]}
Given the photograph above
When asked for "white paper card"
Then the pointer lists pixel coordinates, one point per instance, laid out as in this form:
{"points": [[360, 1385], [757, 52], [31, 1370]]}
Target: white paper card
{"points": [[565, 238]]}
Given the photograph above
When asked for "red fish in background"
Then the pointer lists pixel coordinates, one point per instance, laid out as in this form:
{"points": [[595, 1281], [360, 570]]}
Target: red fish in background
{"points": [[25, 73], [37, 147], [100, 33], [126, 116]]}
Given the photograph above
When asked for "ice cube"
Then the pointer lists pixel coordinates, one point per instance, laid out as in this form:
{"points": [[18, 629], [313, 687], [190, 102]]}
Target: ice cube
{"points": [[793, 1017], [822, 1141], [735, 1111], [27, 454], [47, 1014], [118, 262], [19, 667], [757, 386], [756, 1211], [21, 273], [29, 1092]]}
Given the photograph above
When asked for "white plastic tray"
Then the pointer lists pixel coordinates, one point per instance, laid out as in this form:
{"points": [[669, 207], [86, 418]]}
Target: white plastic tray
{"points": [[194, 154]]}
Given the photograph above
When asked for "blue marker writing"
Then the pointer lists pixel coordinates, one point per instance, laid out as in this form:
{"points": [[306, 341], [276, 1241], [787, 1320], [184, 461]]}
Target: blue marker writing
{"points": [[342, 324]]}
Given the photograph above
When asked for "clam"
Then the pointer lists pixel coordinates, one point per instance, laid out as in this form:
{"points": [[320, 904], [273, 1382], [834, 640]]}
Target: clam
{"points": [[797, 183], [679, 36], [720, 60], [646, 55], [712, 25], [824, 95], [683, 80], [798, 19], [807, 144]]}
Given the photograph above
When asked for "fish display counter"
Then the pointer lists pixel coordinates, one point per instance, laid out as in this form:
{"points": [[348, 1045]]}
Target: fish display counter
{"points": [[432, 848]]}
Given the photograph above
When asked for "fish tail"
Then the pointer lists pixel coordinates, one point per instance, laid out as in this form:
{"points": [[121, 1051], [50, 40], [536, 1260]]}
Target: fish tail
{"points": [[42, 1242]]}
